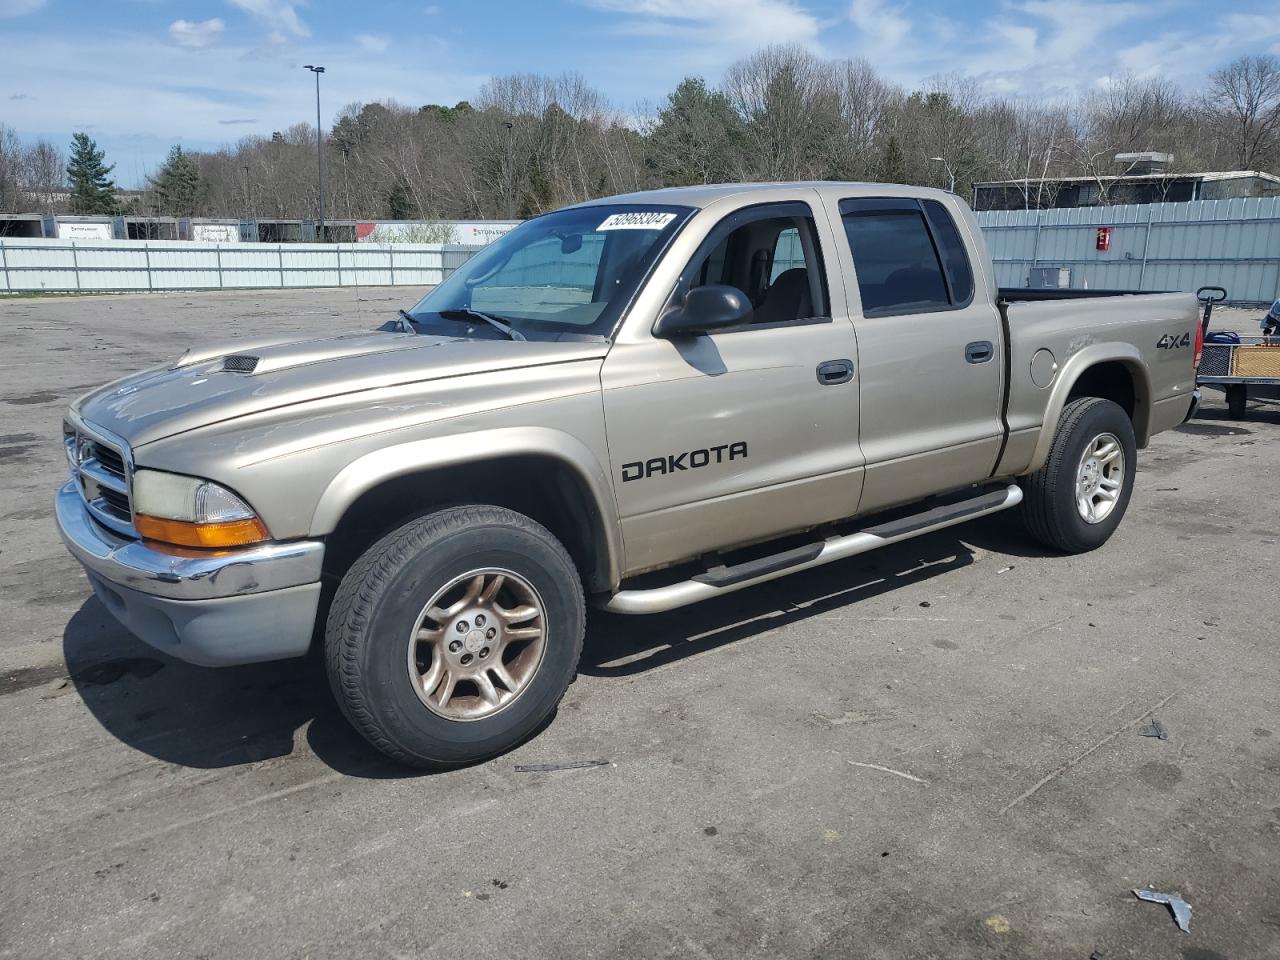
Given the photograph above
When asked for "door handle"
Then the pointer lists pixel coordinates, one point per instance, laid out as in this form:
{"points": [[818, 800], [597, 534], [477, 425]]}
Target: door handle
{"points": [[831, 372], [980, 351]]}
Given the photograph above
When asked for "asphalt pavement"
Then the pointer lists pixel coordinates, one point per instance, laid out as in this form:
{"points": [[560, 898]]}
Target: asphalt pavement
{"points": [[930, 751]]}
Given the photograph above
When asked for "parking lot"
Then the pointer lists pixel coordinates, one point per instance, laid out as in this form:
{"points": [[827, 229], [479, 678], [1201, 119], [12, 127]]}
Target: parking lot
{"points": [[931, 751]]}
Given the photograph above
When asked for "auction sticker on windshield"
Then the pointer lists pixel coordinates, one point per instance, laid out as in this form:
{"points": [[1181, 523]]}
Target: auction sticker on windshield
{"points": [[636, 221]]}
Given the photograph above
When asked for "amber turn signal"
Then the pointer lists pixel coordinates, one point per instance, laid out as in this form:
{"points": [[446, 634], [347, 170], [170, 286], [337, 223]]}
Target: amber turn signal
{"points": [[182, 533]]}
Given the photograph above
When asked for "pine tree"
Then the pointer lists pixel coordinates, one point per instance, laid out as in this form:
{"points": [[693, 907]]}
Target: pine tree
{"points": [[698, 138], [892, 167], [92, 190], [177, 185]]}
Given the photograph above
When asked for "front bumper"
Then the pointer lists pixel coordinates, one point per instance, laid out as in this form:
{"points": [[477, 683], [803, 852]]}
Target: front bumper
{"points": [[242, 606]]}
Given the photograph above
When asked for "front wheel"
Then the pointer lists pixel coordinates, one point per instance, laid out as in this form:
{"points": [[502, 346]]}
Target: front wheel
{"points": [[454, 637], [1077, 499]]}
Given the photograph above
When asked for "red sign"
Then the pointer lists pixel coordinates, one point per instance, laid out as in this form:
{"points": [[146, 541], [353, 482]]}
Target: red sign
{"points": [[1104, 238]]}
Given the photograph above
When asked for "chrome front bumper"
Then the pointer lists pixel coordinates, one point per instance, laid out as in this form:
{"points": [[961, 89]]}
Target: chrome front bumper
{"points": [[243, 606]]}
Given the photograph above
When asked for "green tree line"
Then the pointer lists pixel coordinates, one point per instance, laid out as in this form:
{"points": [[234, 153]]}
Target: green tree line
{"points": [[529, 143]]}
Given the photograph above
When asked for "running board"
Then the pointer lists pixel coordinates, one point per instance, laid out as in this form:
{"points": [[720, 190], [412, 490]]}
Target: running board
{"points": [[722, 580]]}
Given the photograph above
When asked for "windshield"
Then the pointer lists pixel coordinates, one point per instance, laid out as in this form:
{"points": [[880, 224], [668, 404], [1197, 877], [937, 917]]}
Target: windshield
{"points": [[568, 273]]}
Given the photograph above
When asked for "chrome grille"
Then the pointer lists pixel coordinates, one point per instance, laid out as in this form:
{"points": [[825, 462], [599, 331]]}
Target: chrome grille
{"points": [[109, 458], [102, 469]]}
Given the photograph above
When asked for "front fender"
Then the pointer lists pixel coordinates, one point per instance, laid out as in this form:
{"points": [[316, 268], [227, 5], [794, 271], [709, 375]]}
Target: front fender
{"points": [[1069, 375], [388, 463]]}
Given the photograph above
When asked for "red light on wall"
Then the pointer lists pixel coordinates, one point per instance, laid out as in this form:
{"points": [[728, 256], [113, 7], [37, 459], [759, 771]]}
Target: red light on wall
{"points": [[1104, 239]]}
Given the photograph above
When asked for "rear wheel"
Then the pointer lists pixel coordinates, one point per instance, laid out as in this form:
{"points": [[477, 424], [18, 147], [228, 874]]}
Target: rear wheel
{"points": [[1077, 499], [454, 637]]}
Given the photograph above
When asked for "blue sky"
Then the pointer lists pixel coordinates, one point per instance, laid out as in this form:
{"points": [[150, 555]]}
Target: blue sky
{"points": [[140, 75]]}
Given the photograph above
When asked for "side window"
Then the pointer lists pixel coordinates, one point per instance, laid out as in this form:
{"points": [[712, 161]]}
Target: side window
{"points": [[898, 269], [771, 254], [908, 256], [954, 257], [787, 252]]}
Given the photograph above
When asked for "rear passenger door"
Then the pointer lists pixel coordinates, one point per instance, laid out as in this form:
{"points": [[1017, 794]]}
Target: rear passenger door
{"points": [[930, 353]]}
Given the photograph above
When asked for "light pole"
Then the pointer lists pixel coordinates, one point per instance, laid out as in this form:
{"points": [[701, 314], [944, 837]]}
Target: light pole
{"points": [[319, 144], [946, 166]]}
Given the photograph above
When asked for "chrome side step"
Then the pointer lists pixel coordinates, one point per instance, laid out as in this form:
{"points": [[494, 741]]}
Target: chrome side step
{"points": [[722, 580]]}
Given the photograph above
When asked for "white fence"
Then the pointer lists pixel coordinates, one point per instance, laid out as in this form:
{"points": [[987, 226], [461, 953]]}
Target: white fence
{"points": [[131, 265]]}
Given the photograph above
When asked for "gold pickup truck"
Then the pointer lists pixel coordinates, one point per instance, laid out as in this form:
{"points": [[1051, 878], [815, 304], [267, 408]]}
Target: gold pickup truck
{"points": [[710, 387]]}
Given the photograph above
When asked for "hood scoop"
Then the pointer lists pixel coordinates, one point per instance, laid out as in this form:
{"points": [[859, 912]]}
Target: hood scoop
{"points": [[240, 363]]}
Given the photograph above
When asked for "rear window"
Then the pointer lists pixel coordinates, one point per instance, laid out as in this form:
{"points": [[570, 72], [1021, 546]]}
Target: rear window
{"points": [[908, 256]]}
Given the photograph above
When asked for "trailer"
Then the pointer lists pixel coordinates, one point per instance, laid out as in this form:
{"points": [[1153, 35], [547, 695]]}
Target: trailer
{"points": [[1244, 368]]}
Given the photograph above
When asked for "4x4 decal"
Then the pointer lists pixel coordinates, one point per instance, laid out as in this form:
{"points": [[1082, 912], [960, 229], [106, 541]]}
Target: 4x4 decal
{"points": [[1173, 342], [689, 460]]}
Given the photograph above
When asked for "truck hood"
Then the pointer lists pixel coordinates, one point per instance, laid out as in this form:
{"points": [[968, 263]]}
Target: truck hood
{"points": [[203, 387]]}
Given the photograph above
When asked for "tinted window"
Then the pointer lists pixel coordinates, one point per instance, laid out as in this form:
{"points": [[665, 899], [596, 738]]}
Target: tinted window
{"points": [[897, 266], [952, 249]]}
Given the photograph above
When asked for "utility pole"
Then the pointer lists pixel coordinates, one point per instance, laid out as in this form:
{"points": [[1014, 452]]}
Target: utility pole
{"points": [[319, 145]]}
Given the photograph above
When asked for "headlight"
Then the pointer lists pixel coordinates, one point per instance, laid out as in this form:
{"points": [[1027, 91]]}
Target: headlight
{"points": [[190, 512]]}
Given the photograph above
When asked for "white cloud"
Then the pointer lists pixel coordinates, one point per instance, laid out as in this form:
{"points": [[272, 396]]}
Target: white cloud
{"points": [[726, 27], [196, 34], [19, 8], [142, 111], [1075, 27], [281, 15], [372, 42], [882, 25], [431, 9]]}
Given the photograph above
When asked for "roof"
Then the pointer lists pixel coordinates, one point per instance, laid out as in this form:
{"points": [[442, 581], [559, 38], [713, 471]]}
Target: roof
{"points": [[706, 194], [1133, 177]]}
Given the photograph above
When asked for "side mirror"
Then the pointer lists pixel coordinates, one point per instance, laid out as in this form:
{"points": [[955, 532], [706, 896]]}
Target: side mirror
{"points": [[703, 310], [570, 243]]}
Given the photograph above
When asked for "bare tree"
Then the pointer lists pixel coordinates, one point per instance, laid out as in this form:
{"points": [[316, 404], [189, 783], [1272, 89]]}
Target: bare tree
{"points": [[1127, 115], [1243, 107], [785, 97], [1023, 144]]}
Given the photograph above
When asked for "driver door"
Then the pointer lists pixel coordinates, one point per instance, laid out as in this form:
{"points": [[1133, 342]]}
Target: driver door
{"points": [[749, 432]]}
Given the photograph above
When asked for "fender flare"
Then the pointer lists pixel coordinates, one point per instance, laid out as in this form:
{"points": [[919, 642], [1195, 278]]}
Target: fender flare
{"points": [[1075, 367], [417, 456]]}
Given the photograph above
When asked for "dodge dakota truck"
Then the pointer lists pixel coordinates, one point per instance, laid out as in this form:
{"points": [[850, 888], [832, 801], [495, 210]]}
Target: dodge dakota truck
{"points": [[640, 402]]}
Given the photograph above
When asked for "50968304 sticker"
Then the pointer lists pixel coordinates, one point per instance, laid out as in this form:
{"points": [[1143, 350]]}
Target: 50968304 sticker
{"points": [[636, 221]]}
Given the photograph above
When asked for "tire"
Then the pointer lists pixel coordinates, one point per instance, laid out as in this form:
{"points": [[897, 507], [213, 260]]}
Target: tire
{"points": [[1237, 400], [383, 599], [1051, 510]]}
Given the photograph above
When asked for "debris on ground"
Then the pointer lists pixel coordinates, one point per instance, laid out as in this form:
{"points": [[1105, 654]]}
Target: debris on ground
{"points": [[1181, 909], [551, 767], [1005, 570], [998, 924], [1154, 729]]}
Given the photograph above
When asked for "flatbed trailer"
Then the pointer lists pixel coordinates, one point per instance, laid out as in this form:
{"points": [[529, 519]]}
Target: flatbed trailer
{"points": [[1244, 371]]}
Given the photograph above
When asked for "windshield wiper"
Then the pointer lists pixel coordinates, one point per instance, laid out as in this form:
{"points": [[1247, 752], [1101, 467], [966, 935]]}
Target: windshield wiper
{"points": [[460, 312]]}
